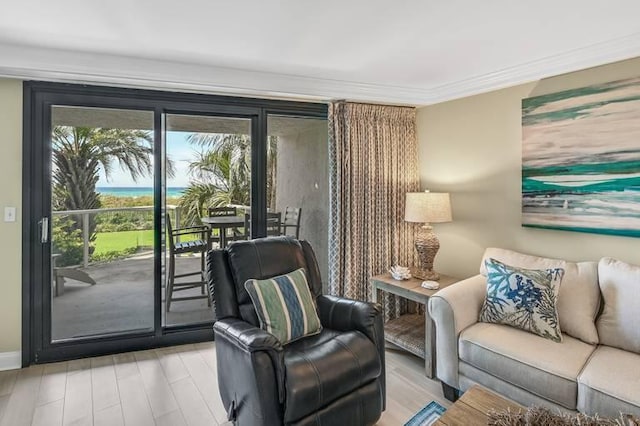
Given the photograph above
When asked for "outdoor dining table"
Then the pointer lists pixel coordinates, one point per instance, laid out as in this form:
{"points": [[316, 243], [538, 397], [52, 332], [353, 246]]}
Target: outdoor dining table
{"points": [[222, 223]]}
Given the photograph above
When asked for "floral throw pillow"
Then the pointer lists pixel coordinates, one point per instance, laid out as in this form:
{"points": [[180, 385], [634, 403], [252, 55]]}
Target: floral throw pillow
{"points": [[523, 298]]}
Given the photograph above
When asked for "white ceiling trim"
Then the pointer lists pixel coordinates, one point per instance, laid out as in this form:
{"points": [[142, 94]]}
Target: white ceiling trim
{"points": [[578, 59], [81, 67]]}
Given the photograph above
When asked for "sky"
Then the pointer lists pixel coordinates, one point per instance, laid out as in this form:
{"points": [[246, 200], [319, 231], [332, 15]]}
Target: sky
{"points": [[178, 149]]}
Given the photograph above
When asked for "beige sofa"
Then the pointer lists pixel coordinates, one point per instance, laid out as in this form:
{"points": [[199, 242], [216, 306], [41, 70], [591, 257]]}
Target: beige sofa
{"points": [[596, 367]]}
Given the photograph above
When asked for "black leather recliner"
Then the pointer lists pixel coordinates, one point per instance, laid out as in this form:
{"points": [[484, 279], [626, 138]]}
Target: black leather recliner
{"points": [[336, 377]]}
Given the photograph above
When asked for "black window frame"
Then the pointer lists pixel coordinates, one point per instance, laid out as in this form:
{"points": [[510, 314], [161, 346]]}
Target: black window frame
{"points": [[38, 97]]}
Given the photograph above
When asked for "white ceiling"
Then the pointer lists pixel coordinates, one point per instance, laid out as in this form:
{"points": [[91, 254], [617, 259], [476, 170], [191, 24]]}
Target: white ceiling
{"points": [[402, 51]]}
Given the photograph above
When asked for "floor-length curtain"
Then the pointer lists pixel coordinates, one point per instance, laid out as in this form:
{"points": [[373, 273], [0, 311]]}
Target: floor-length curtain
{"points": [[372, 165]]}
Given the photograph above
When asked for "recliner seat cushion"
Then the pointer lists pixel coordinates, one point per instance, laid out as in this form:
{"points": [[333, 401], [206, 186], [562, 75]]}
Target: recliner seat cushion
{"points": [[321, 368], [543, 367], [610, 383], [579, 294]]}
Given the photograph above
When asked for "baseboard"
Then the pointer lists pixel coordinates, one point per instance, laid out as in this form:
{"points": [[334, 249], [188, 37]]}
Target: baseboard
{"points": [[10, 360]]}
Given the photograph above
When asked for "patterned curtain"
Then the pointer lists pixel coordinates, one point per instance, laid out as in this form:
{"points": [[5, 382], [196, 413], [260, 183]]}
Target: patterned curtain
{"points": [[372, 164]]}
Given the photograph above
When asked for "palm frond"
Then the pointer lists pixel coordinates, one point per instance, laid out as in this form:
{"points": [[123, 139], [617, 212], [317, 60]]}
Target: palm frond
{"points": [[197, 198]]}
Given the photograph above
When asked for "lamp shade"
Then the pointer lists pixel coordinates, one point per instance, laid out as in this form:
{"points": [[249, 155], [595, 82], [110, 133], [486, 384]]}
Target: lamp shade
{"points": [[427, 207]]}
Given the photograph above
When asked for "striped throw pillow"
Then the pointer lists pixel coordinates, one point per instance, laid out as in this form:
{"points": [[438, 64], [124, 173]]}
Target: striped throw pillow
{"points": [[285, 306]]}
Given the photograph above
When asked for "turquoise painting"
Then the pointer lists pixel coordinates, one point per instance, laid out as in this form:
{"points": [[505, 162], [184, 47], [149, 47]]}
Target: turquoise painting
{"points": [[581, 159]]}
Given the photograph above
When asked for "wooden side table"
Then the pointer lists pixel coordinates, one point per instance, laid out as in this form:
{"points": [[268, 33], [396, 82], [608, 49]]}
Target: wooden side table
{"points": [[411, 332]]}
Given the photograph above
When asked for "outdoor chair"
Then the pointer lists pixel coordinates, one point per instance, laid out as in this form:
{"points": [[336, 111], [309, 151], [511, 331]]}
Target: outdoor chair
{"points": [[274, 224], [292, 220], [335, 377], [190, 245], [222, 211]]}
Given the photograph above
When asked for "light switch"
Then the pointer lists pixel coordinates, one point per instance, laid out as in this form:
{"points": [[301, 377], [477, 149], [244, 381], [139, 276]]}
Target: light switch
{"points": [[9, 214]]}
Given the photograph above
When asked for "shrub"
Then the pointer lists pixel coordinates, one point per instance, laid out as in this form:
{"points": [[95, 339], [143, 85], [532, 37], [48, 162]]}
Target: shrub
{"points": [[113, 255], [66, 242]]}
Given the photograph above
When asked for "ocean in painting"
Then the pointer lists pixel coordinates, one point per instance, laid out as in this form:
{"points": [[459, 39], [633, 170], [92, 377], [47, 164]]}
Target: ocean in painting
{"points": [[137, 191], [581, 159]]}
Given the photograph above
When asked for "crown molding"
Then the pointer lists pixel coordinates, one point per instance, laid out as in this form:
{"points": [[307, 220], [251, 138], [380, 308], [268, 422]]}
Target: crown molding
{"points": [[38, 63], [569, 61], [27, 62]]}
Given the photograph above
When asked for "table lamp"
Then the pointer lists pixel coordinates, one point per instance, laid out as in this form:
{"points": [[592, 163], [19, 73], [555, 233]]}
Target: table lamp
{"points": [[427, 207]]}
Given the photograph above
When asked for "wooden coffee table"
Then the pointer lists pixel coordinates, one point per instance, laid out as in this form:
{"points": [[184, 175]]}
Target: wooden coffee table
{"points": [[472, 408]]}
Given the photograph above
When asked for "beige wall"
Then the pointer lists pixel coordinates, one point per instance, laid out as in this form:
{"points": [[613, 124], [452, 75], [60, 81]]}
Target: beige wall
{"points": [[471, 147], [10, 233]]}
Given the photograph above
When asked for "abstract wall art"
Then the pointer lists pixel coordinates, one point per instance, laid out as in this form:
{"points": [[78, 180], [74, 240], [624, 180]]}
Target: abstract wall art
{"points": [[581, 159]]}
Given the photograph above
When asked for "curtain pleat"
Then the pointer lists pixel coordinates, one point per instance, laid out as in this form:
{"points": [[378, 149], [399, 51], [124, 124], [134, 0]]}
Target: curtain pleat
{"points": [[372, 165]]}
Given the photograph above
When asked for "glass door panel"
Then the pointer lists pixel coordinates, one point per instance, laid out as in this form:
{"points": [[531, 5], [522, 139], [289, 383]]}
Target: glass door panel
{"points": [[298, 180], [110, 170], [208, 184], [102, 224]]}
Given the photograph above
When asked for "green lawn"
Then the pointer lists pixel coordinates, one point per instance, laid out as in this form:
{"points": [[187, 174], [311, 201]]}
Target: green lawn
{"points": [[117, 241]]}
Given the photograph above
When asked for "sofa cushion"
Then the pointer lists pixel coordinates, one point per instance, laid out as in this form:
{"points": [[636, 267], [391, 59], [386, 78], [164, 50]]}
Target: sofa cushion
{"points": [[579, 297], [610, 383], [619, 323], [321, 368], [523, 298], [541, 366]]}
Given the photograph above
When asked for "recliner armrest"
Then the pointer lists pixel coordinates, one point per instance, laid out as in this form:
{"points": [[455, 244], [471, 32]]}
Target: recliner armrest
{"points": [[453, 309], [250, 371], [247, 337], [342, 314]]}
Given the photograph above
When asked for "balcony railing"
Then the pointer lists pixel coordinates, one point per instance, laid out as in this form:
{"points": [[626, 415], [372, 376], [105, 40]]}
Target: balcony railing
{"points": [[85, 216]]}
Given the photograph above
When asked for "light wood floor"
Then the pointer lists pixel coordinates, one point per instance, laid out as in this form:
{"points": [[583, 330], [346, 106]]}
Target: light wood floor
{"points": [[165, 387]]}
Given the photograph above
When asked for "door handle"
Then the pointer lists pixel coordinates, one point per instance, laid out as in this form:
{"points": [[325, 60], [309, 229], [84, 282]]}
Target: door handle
{"points": [[44, 230]]}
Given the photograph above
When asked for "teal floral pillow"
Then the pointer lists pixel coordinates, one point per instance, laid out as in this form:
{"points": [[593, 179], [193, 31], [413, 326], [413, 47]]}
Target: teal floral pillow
{"points": [[523, 298]]}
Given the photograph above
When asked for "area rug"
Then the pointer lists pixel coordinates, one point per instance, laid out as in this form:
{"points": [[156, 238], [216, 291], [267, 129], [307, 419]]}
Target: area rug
{"points": [[427, 415], [537, 416]]}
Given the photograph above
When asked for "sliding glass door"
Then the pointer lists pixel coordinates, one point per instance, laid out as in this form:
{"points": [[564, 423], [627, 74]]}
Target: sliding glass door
{"points": [[208, 183], [128, 189], [102, 224]]}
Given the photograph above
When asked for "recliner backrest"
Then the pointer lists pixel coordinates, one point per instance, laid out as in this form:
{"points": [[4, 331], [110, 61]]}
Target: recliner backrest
{"points": [[230, 268]]}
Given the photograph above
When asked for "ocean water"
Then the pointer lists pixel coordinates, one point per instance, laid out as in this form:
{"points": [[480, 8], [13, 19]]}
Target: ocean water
{"points": [[133, 191]]}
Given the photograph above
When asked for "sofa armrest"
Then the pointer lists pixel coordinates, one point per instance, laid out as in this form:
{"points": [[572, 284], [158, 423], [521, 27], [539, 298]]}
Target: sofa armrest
{"points": [[342, 314], [251, 372], [453, 309]]}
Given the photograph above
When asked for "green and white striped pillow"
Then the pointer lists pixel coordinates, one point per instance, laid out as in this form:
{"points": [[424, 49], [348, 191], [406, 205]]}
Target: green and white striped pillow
{"points": [[285, 306]]}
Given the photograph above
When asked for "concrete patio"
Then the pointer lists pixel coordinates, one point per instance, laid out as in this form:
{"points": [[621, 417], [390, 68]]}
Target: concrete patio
{"points": [[122, 300]]}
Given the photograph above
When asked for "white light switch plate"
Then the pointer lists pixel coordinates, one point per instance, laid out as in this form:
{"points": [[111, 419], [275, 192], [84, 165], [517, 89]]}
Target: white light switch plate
{"points": [[9, 214]]}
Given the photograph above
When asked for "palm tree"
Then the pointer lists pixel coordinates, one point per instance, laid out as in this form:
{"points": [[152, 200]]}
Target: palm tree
{"points": [[77, 155], [222, 173]]}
